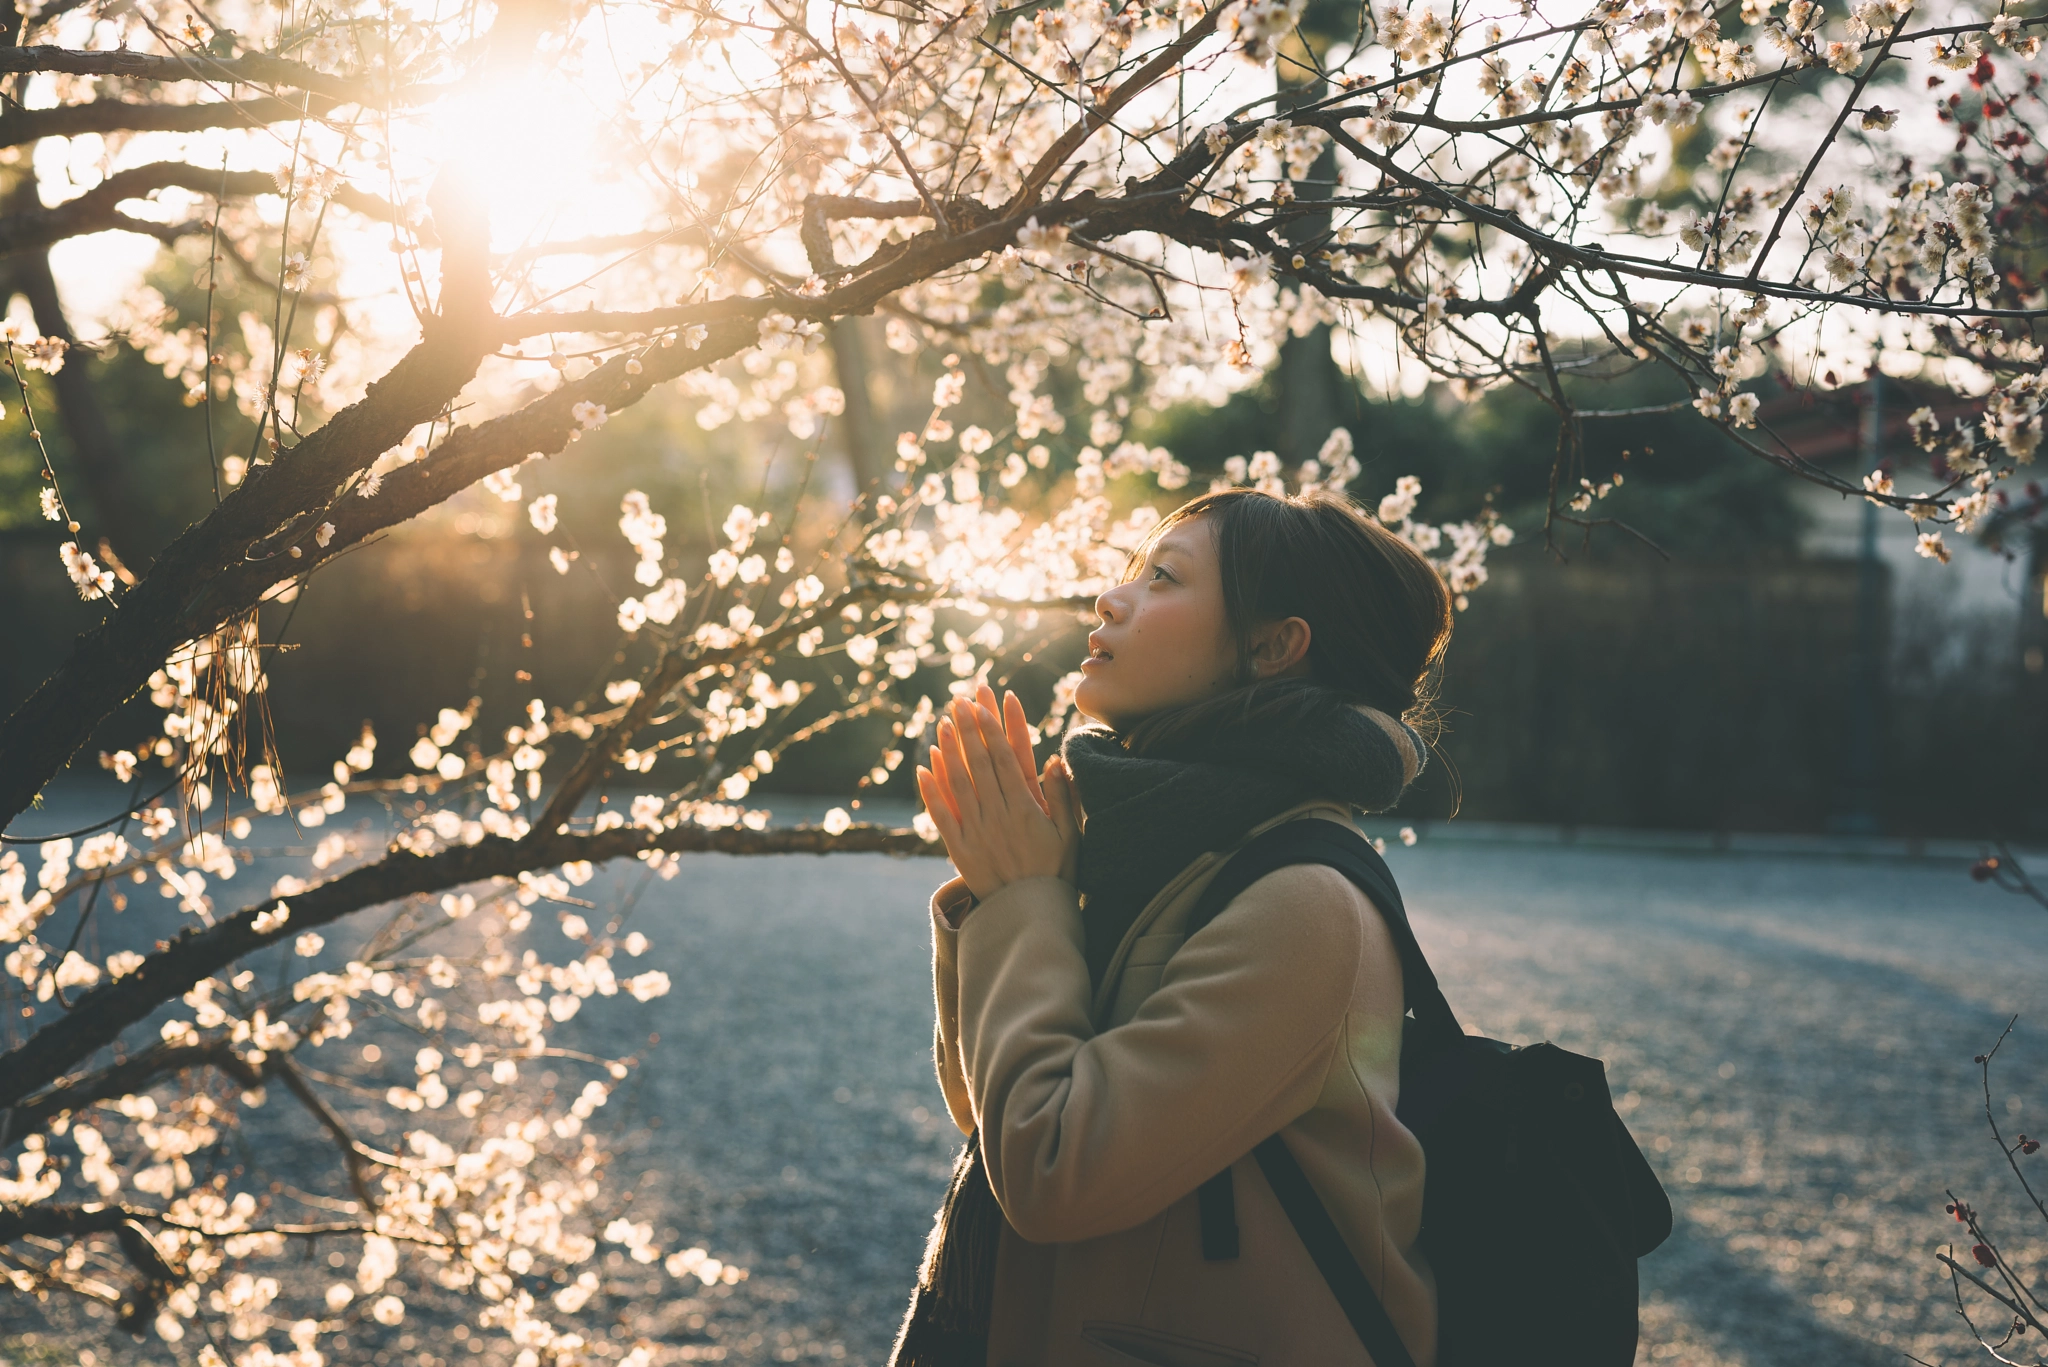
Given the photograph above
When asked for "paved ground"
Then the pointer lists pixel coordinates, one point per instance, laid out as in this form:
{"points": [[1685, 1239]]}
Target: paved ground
{"points": [[1796, 1035], [1791, 1036]]}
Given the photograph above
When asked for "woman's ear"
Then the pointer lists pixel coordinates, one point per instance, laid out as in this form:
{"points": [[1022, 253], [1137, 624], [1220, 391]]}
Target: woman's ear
{"points": [[1280, 648]]}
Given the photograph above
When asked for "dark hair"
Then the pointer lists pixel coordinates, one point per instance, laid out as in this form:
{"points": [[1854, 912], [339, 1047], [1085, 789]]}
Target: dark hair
{"points": [[1378, 614]]}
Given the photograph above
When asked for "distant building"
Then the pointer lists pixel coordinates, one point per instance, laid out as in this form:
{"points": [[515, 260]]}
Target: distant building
{"points": [[1988, 607]]}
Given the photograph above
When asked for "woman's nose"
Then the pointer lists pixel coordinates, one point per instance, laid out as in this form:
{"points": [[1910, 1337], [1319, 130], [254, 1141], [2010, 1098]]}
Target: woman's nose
{"points": [[1106, 605]]}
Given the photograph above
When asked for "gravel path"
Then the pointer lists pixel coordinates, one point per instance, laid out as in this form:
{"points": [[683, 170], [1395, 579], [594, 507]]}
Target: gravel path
{"points": [[1796, 1035], [1791, 1038]]}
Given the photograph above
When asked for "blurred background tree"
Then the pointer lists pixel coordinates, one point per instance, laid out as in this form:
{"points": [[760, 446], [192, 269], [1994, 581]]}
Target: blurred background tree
{"points": [[1688, 668]]}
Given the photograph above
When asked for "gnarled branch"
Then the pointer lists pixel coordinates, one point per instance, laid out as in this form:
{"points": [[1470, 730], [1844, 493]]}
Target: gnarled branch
{"points": [[21, 126], [96, 210], [130, 1075], [99, 1016], [248, 69]]}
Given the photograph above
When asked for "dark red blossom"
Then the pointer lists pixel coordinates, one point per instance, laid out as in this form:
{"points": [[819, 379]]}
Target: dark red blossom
{"points": [[1983, 1254]]}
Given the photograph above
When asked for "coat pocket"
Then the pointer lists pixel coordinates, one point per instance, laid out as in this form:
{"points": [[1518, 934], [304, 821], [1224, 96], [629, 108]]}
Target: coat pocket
{"points": [[1126, 1343]]}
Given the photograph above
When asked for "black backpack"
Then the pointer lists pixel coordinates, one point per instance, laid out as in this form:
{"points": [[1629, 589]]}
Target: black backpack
{"points": [[1537, 1201]]}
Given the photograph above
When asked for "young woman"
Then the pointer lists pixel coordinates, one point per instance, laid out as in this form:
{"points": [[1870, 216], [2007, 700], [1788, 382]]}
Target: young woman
{"points": [[1253, 669]]}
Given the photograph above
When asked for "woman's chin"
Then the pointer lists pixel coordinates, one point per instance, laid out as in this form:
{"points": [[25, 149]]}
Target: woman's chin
{"points": [[1090, 703]]}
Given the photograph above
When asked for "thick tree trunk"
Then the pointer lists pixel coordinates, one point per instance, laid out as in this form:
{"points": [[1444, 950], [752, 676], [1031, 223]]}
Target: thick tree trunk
{"points": [[1311, 394], [97, 459], [1311, 388], [94, 448]]}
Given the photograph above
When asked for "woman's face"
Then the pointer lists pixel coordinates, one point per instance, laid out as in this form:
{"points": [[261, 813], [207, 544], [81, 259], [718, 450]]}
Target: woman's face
{"points": [[1165, 638]]}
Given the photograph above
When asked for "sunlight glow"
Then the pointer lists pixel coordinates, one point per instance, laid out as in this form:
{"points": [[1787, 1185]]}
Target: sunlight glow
{"points": [[545, 159]]}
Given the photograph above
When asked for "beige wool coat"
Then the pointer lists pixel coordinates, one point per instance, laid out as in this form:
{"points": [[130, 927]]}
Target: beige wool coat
{"points": [[1101, 1113]]}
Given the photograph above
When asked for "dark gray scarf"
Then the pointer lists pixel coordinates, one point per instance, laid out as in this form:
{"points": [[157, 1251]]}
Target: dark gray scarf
{"points": [[1149, 815]]}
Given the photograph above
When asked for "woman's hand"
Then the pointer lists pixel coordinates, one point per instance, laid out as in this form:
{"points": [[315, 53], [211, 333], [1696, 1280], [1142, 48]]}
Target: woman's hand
{"points": [[999, 822]]}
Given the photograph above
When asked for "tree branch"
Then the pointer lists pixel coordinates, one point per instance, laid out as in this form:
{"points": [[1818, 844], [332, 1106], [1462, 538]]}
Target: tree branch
{"points": [[45, 1220], [49, 1221], [103, 1012], [96, 210], [1598, 259], [130, 1075], [248, 69], [821, 209], [1813, 164], [199, 578], [20, 126], [1141, 80], [353, 1155]]}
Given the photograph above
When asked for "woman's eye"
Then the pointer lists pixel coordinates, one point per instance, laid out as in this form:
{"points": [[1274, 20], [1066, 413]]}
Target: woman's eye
{"points": [[1159, 572]]}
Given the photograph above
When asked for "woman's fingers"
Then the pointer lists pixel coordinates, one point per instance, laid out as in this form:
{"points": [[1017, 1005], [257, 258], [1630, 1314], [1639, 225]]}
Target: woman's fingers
{"points": [[936, 803], [1014, 731], [1008, 775], [997, 824], [959, 772], [1017, 730], [975, 751], [932, 790], [942, 778]]}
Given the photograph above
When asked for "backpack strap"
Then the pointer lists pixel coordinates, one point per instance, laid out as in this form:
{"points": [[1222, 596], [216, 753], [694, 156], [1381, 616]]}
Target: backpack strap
{"points": [[1314, 841], [1333, 1257], [1311, 840]]}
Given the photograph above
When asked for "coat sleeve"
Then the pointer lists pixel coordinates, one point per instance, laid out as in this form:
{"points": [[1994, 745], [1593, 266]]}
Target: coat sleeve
{"points": [[949, 905], [1086, 1134]]}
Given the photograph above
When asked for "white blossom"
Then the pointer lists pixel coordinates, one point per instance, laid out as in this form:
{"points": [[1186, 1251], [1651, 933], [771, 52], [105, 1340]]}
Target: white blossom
{"points": [[647, 986], [85, 572]]}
